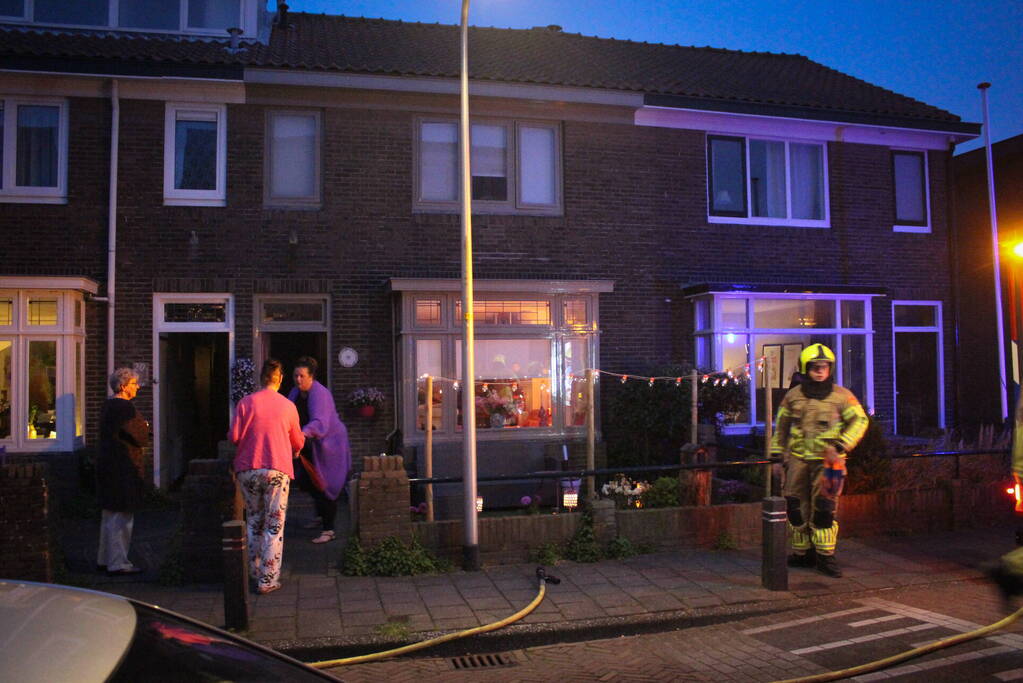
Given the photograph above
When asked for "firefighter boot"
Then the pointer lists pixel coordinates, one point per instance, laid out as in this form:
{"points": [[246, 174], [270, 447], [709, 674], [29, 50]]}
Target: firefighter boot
{"points": [[807, 559], [826, 564]]}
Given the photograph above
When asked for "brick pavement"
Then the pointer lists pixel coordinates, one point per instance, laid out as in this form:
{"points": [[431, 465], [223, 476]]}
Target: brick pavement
{"points": [[318, 607]]}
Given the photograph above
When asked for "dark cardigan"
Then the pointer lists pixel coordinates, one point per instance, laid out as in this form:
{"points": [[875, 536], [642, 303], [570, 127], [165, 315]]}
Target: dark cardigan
{"points": [[120, 483]]}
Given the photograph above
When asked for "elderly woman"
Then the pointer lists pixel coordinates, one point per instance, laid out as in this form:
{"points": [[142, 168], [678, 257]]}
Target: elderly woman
{"points": [[120, 483], [267, 433], [327, 449]]}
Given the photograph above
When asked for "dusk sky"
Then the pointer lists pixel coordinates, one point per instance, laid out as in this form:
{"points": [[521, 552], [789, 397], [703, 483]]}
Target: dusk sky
{"points": [[934, 51]]}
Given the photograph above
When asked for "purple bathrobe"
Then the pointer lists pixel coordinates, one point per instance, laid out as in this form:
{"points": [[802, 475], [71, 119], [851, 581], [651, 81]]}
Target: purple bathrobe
{"points": [[331, 453]]}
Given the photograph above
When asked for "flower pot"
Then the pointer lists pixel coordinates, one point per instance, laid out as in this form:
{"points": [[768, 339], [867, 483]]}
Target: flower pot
{"points": [[366, 411]]}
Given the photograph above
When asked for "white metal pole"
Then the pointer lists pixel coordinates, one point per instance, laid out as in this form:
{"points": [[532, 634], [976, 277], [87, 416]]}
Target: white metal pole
{"points": [[471, 548], [995, 250]]}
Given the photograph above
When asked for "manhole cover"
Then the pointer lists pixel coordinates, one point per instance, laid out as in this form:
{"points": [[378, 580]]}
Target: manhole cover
{"points": [[481, 662]]}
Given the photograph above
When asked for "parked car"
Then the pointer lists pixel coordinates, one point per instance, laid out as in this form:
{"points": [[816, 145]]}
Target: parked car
{"points": [[56, 633]]}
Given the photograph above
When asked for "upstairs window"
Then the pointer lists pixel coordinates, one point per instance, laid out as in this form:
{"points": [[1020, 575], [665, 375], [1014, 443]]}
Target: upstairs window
{"points": [[766, 182], [515, 167], [211, 17], [195, 155], [293, 159], [33, 147], [909, 180]]}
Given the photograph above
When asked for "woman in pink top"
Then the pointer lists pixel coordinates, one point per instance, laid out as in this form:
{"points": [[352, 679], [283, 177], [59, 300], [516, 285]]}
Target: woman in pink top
{"points": [[267, 433]]}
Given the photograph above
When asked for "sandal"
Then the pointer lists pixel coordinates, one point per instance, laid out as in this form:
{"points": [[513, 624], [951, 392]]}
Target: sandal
{"points": [[325, 537]]}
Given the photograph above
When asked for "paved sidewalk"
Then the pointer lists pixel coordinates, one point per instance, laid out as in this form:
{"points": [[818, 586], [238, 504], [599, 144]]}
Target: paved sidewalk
{"points": [[318, 607]]}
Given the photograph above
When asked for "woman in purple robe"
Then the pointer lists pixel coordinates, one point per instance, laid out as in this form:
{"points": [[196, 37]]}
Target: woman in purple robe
{"points": [[326, 444]]}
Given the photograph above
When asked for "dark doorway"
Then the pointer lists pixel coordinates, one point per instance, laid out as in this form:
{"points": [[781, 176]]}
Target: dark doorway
{"points": [[916, 383], [288, 347], [194, 401]]}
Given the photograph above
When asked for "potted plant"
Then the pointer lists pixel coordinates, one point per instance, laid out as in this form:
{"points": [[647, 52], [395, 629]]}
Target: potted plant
{"points": [[365, 401]]}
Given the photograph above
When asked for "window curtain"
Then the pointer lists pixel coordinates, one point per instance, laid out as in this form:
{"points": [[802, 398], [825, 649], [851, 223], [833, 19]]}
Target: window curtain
{"points": [[293, 157], [909, 188], [728, 181], [214, 13], [195, 165], [489, 163], [438, 168], [37, 146], [536, 159], [807, 181], [767, 178]]}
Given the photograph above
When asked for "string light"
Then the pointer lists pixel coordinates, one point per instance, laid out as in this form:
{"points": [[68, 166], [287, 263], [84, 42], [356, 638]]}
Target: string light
{"points": [[624, 378]]}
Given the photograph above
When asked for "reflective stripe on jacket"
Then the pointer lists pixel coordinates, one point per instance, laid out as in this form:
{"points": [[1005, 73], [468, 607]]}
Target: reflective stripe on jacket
{"points": [[806, 426]]}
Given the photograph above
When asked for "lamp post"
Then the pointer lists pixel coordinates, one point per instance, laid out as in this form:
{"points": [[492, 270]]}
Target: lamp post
{"points": [[470, 547], [995, 247]]}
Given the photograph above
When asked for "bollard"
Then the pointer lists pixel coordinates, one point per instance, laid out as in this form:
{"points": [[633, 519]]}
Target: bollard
{"points": [[774, 573], [236, 576]]}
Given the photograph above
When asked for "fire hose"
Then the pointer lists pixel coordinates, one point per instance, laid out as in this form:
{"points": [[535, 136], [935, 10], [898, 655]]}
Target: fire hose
{"points": [[542, 578]]}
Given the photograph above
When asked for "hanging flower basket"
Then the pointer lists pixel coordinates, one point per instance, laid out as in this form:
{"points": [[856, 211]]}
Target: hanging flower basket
{"points": [[366, 411], [365, 401]]}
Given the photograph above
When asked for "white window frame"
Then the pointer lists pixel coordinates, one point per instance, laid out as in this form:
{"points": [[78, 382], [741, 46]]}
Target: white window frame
{"points": [[248, 19], [449, 333], [175, 197], [24, 194], [313, 201], [67, 335], [937, 328], [716, 332], [514, 203], [260, 328], [904, 227], [750, 219]]}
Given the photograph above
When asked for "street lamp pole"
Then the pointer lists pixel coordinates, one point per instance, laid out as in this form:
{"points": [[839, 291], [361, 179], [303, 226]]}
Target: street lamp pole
{"points": [[995, 249], [470, 548]]}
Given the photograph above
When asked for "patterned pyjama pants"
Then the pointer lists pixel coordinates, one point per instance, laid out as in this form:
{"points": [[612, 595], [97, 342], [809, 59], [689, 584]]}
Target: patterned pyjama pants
{"points": [[266, 504]]}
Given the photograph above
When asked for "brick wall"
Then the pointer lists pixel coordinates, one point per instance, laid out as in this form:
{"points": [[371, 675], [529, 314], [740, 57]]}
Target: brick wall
{"points": [[25, 535], [383, 500], [634, 213]]}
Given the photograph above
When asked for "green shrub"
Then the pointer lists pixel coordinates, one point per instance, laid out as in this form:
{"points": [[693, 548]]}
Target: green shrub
{"points": [[663, 493], [621, 548], [390, 557], [548, 554], [583, 546], [646, 424]]}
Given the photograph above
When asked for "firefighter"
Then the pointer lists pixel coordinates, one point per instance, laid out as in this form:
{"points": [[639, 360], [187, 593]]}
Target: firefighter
{"points": [[818, 423], [1008, 574]]}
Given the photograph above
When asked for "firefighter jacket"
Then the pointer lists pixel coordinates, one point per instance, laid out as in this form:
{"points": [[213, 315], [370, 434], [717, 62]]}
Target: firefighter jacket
{"points": [[806, 426]]}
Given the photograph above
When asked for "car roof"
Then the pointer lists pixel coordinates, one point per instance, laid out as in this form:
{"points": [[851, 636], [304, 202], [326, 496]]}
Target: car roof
{"points": [[52, 633]]}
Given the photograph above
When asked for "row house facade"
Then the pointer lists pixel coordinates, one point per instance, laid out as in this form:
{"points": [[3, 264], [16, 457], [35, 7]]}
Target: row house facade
{"points": [[176, 196]]}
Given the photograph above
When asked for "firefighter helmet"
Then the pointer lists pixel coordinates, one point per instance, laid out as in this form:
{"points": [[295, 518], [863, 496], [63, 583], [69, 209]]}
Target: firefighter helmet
{"points": [[815, 352]]}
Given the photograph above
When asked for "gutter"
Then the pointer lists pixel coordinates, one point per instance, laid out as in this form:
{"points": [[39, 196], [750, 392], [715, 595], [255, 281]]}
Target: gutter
{"points": [[115, 134]]}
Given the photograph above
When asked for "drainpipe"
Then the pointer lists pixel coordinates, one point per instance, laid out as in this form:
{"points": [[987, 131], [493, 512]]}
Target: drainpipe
{"points": [[115, 133]]}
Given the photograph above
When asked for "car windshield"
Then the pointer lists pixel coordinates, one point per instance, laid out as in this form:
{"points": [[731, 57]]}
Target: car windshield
{"points": [[167, 649]]}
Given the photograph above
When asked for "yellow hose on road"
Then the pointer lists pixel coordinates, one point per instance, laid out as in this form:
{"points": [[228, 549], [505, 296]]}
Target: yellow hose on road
{"points": [[541, 575], [908, 654]]}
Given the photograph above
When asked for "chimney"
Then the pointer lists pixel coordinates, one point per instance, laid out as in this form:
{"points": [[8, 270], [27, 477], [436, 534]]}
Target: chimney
{"points": [[282, 14]]}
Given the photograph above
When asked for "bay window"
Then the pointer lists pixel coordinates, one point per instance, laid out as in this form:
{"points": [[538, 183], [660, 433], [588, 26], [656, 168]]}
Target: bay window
{"points": [[733, 331], [42, 383], [33, 150], [533, 344], [767, 182], [515, 166]]}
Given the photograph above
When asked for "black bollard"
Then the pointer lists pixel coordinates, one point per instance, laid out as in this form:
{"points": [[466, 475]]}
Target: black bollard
{"points": [[236, 577], [774, 573]]}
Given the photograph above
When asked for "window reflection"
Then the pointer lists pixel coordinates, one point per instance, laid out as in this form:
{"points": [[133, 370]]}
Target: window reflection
{"points": [[42, 390]]}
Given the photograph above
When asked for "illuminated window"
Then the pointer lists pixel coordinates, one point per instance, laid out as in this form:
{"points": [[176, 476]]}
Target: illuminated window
{"points": [[42, 312], [6, 312], [428, 311], [575, 312], [499, 312]]}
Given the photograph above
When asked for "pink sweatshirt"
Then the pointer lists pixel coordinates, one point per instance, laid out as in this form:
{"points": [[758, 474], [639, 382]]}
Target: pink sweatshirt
{"points": [[267, 433]]}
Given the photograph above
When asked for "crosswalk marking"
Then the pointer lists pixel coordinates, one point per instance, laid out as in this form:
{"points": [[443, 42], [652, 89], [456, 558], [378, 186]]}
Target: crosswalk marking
{"points": [[807, 620], [864, 639]]}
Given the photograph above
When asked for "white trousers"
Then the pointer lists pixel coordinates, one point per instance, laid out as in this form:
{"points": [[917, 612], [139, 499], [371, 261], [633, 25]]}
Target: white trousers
{"points": [[266, 506], [114, 539]]}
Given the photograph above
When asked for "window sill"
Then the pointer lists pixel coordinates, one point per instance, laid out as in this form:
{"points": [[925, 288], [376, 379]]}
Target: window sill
{"points": [[296, 205], [33, 199], [769, 222], [920, 229], [183, 201], [488, 211]]}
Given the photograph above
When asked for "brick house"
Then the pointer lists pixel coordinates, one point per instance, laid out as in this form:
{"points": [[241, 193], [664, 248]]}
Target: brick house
{"points": [[977, 351], [292, 189]]}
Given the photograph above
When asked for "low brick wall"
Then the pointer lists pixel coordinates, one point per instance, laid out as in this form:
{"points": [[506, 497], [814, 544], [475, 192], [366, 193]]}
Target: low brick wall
{"points": [[516, 538], [25, 535], [209, 497]]}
